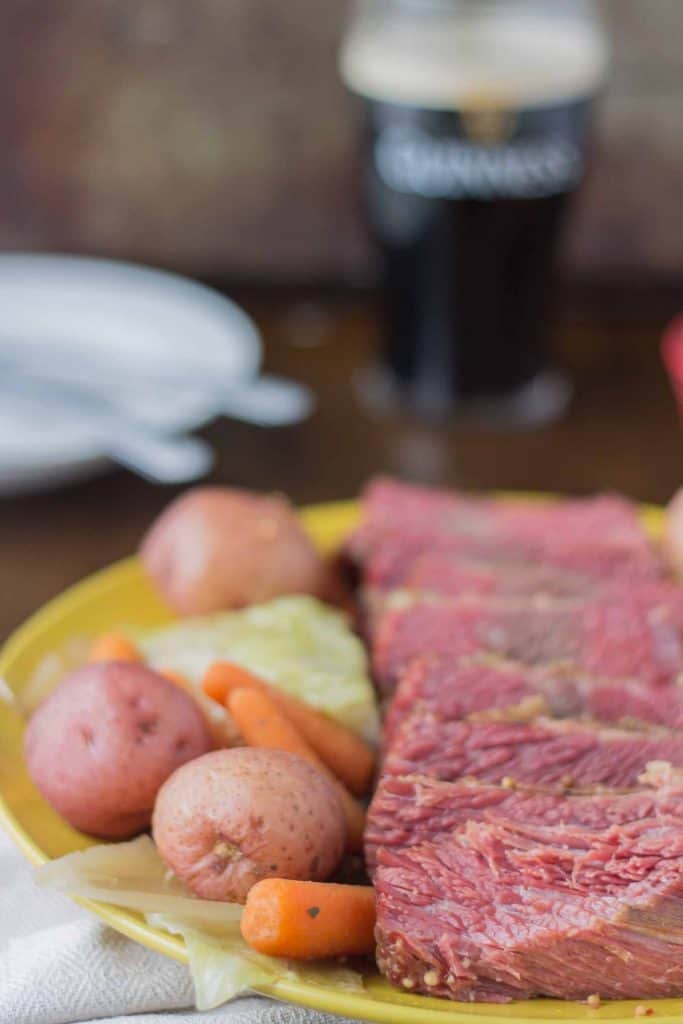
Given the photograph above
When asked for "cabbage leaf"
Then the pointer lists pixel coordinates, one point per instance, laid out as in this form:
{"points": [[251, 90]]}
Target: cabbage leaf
{"points": [[222, 965], [297, 643]]}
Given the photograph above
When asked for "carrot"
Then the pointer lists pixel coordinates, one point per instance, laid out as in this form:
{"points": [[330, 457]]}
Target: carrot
{"points": [[303, 920], [113, 647], [216, 680], [351, 760], [220, 725], [262, 724]]}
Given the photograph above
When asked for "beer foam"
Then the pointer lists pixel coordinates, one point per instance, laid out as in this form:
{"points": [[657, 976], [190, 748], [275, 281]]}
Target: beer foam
{"points": [[442, 58]]}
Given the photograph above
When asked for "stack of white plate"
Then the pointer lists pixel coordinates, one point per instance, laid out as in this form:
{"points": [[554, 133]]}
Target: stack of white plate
{"points": [[104, 361]]}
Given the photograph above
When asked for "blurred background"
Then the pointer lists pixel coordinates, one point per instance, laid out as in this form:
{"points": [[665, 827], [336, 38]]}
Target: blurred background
{"points": [[218, 140]]}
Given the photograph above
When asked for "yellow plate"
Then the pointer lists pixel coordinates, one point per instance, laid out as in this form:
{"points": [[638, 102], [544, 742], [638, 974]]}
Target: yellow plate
{"points": [[121, 595]]}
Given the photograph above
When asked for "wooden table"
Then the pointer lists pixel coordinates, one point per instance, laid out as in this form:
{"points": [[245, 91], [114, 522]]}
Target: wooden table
{"points": [[622, 432]]}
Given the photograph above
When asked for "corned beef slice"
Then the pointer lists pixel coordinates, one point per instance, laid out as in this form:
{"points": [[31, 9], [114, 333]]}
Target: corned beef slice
{"points": [[541, 589], [516, 855], [455, 689], [500, 911], [411, 809], [543, 751], [390, 505], [442, 572], [630, 701], [446, 572], [590, 534], [393, 556], [626, 638]]}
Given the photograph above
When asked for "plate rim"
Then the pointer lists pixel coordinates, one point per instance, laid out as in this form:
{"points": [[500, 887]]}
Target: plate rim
{"points": [[325, 521]]}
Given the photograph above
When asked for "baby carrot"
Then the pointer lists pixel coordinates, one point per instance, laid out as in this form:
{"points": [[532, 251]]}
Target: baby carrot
{"points": [[303, 920], [113, 647], [262, 724], [220, 725], [216, 680], [351, 760]]}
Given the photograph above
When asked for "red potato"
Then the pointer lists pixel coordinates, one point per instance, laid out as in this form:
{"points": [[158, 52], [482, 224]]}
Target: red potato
{"points": [[104, 741], [232, 817], [672, 535], [216, 548]]}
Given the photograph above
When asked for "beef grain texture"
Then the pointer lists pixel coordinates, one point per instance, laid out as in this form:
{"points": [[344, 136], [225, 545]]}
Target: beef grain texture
{"points": [[541, 752], [455, 689], [412, 809], [501, 911], [617, 639], [445, 573], [597, 536], [514, 855]]}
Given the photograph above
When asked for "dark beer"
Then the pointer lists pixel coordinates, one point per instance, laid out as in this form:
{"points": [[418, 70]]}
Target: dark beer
{"points": [[472, 150]]}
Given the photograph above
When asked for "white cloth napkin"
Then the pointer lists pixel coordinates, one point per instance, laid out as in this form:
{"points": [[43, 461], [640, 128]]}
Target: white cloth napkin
{"points": [[59, 965]]}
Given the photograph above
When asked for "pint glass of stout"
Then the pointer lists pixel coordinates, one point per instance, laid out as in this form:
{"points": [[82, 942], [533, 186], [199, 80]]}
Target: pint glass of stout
{"points": [[475, 127]]}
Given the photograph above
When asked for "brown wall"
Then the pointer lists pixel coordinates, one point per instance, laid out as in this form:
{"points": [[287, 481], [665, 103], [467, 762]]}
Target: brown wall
{"points": [[631, 215], [214, 136]]}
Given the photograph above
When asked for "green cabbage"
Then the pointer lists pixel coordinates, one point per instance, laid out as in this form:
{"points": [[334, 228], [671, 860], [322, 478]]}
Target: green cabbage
{"points": [[296, 643], [222, 965], [133, 875]]}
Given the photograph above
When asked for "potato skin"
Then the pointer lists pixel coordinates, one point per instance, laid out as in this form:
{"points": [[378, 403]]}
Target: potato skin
{"points": [[104, 741], [232, 817], [216, 548]]}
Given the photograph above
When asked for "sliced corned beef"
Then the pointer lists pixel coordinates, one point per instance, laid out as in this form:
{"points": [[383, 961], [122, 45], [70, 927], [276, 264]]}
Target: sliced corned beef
{"points": [[518, 855], [542, 751], [410, 809], [440, 572], [594, 534], [594, 560], [389, 505], [626, 638], [446, 572], [499, 911], [454, 689], [625, 701]]}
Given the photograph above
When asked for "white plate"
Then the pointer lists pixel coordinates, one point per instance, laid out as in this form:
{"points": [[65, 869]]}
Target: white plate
{"points": [[162, 342]]}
